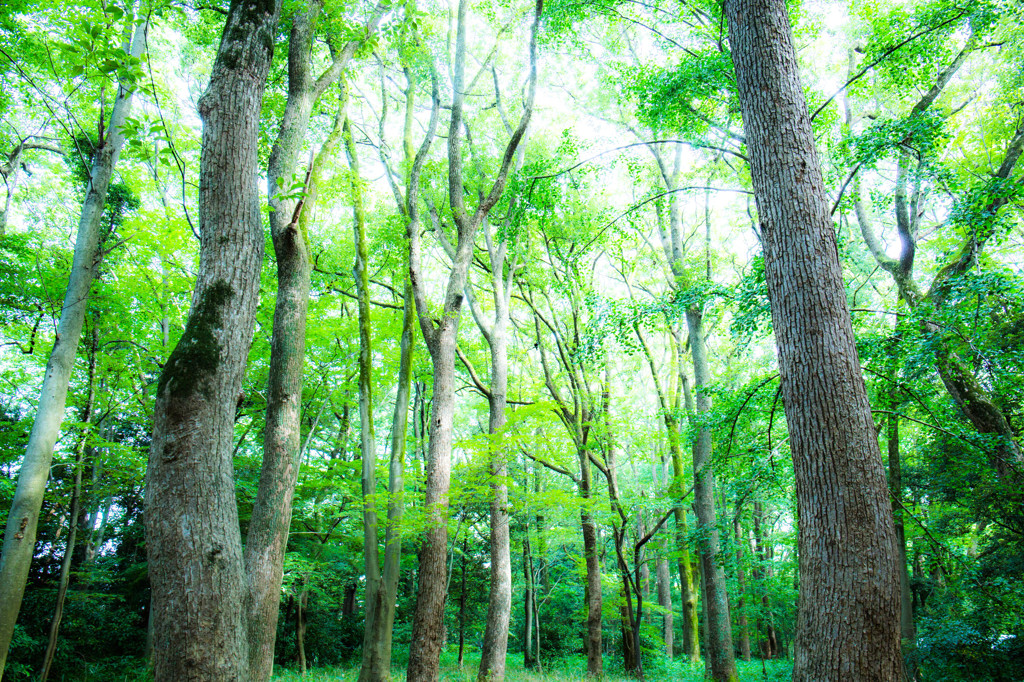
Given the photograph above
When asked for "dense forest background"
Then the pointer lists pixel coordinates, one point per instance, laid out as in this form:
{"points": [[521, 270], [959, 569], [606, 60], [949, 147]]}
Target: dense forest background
{"points": [[512, 379]]}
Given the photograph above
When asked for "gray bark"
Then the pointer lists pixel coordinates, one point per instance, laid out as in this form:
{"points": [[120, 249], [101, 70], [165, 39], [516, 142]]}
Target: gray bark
{"points": [[440, 333], [195, 553], [76, 496], [20, 533], [716, 599], [848, 623]]}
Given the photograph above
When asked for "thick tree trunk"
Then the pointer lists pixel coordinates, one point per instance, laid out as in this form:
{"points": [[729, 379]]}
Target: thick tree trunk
{"points": [[267, 538], [849, 587], [20, 533], [271, 515], [195, 552], [428, 618], [716, 603]]}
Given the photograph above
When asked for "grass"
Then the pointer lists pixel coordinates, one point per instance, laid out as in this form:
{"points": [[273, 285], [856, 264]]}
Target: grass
{"points": [[568, 669]]}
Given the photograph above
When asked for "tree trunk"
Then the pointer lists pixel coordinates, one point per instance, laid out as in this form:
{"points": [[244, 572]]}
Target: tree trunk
{"points": [[376, 665], [462, 607], [528, 661], [595, 665], [76, 496], [687, 581], [848, 624], [300, 629], [440, 334], [271, 515], [665, 596], [367, 437], [499, 604], [716, 602], [769, 645], [428, 618], [908, 629], [741, 579], [20, 533], [195, 552]]}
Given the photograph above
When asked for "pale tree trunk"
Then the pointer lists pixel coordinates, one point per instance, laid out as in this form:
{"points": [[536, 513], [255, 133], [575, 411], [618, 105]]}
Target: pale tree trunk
{"points": [[716, 602], [195, 552], [271, 515], [499, 604], [848, 622], [440, 333], [377, 638], [367, 437], [20, 533], [76, 496], [670, 402]]}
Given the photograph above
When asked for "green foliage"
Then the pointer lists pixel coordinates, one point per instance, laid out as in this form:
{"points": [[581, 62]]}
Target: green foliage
{"points": [[923, 134], [682, 99]]}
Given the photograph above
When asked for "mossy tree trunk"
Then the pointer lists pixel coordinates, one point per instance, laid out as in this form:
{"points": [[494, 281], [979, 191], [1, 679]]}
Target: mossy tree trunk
{"points": [[271, 515], [195, 549]]}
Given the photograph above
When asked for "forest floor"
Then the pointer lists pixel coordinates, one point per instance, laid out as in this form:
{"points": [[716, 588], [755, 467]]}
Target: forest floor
{"points": [[569, 669]]}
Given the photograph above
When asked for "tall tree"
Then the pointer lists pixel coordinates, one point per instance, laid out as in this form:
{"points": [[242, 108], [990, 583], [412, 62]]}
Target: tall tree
{"points": [[440, 333], [194, 545], [849, 586], [20, 533], [271, 514]]}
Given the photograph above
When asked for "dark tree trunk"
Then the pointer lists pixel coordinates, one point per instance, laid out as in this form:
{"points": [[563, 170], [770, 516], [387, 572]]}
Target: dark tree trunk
{"points": [[741, 579], [195, 549], [595, 666], [848, 625]]}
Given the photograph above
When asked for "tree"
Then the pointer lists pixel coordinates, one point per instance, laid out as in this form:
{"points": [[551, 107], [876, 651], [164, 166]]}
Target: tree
{"points": [[849, 586], [194, 545], [271, 515], [20, 533], [440, 333]]}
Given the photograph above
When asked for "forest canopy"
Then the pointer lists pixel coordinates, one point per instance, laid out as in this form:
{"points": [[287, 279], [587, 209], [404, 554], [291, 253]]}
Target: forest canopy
{"points": [[618, 338]]}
